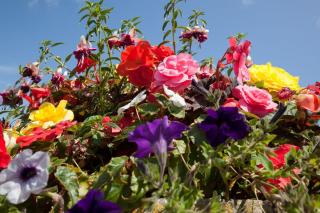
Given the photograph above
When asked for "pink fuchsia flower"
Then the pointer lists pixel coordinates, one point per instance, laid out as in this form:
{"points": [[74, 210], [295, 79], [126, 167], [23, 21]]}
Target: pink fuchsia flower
{"points": [[124, 40], [254, 100], [205, 72], [238, 55], [31, 70], [83, 54], [197, 32], [57, 77], [309, 102], [176, 72]]}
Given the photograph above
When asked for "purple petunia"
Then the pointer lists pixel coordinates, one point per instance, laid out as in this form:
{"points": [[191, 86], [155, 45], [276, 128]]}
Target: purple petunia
{"points": [[156, 136], [224, 123], [94, 202]]}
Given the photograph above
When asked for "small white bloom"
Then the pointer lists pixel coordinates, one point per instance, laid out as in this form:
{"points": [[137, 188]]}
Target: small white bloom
{"points": [[1, 100], [175, 98], [59, 70], [138, 99], [26, 174], [10, 137]]}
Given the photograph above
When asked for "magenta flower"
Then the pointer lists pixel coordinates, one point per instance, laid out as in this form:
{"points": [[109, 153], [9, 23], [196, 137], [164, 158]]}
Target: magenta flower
{"points": [[238, 55]]}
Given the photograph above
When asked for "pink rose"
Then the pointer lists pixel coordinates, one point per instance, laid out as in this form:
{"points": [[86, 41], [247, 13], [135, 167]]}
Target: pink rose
{"points": [[176, 72], [254, 100]]}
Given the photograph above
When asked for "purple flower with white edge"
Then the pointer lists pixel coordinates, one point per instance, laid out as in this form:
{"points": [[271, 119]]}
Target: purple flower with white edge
{"points": [[94, 202], [156, 137], [224, 123], [26, 174]]}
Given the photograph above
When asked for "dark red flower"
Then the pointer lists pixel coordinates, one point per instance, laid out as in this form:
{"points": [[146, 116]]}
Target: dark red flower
{"points": [[285, 94], [4, 156], [83, 55], [36, 96]]}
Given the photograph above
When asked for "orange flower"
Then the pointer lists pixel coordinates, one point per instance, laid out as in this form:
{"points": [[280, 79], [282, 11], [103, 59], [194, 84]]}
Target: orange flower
{"points": [[309, 102], [137, 62]]}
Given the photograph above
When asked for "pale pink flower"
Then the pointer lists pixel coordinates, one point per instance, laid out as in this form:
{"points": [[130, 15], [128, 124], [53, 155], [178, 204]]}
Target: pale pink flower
{"points": [[176, 72]]}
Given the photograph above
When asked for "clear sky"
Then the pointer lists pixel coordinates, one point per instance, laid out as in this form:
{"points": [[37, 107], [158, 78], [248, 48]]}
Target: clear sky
{"points": [[284, 32]]}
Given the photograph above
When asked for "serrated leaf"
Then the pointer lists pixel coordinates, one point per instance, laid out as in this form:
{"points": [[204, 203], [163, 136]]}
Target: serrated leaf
{"points": [[68, 178]]}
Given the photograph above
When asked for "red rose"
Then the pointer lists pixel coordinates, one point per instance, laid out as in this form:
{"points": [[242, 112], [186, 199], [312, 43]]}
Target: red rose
{"points": [[137, 62], [161, 52]]}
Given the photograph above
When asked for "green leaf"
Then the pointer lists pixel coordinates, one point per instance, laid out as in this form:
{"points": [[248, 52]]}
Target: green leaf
{"points": [[68, 178], [68, 58], [165, 23], [180, 147], [178, 112], [148, 109], [262, 159], [166, 34]]}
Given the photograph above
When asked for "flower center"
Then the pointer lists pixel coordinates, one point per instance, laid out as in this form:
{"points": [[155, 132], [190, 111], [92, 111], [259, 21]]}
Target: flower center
{"points": [[27, 173]]}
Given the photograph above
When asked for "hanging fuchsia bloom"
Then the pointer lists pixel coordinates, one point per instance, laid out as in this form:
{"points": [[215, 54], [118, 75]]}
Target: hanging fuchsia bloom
{"points": [[238, 55], [83, 54], [124, 40], [197, 32], [57, 78]]}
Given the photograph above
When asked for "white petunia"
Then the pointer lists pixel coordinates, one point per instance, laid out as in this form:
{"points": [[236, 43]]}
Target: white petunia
{"points": [[138, 99], [26, 174], [175, 98]]}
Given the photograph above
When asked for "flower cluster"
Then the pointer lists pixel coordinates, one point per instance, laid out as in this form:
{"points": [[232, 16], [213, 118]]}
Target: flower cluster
{"points": [[143, 127]]}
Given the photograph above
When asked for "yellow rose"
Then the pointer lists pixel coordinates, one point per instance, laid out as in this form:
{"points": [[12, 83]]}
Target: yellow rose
{"points": [[48, 115], [273, 78]]}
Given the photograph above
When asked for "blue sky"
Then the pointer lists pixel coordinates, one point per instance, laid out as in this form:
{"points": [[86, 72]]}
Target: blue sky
{"points": [[284, 32]]}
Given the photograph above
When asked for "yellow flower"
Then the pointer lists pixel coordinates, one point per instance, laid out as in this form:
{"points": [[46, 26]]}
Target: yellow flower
{"points": [[273, 78], [48, 115]]}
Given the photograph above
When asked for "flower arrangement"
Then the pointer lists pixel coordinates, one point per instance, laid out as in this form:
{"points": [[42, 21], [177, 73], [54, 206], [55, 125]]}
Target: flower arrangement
{"points": [[141, 127]]}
